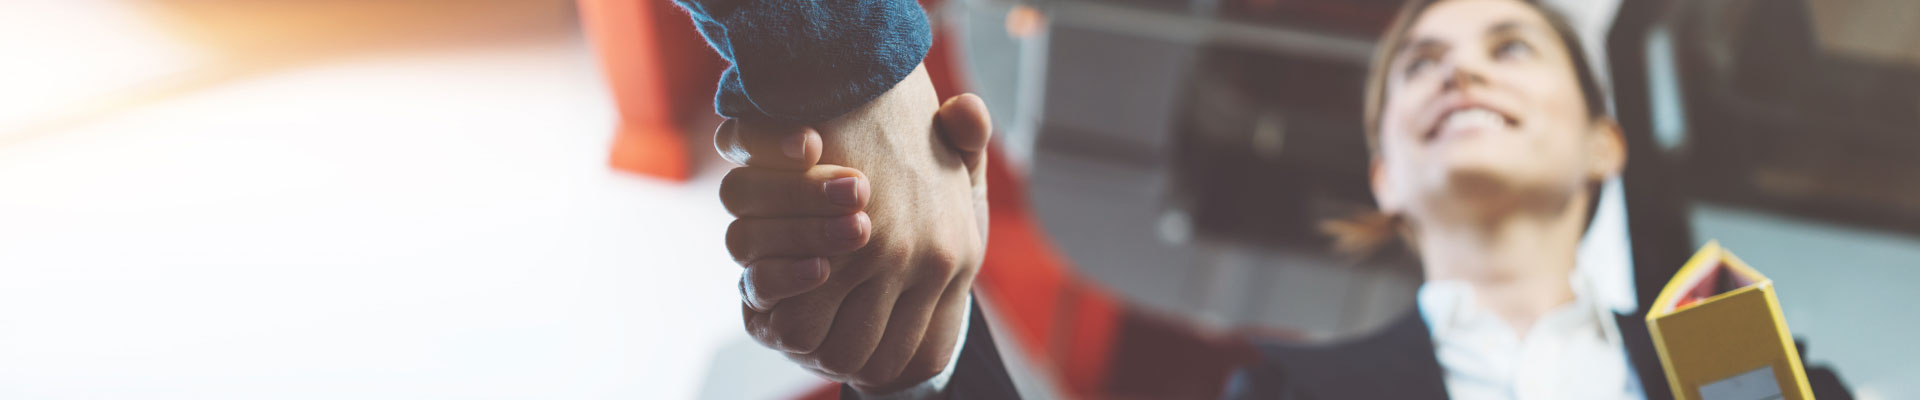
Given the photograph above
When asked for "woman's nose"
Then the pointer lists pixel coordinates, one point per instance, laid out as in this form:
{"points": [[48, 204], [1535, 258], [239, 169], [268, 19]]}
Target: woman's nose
{"points": [[1460, 74]]}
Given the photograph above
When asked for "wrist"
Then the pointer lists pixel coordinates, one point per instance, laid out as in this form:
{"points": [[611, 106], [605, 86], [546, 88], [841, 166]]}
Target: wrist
{"points": [[888, 130]]}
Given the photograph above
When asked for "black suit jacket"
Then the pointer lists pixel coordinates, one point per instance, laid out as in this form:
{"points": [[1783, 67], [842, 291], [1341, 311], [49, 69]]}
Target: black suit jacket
{"points": [[1395, 363], [1398, 363]]}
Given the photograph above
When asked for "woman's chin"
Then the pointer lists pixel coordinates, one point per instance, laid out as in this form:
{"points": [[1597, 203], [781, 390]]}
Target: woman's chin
{"points": [[1474, 182], [1493, 187], [1485, 177]]}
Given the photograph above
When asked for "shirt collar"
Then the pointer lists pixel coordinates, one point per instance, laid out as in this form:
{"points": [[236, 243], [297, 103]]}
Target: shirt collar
{"points": [[1449, 309]]}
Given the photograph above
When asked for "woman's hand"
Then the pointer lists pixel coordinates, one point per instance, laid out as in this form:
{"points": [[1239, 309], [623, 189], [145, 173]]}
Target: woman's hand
{"points": [[861, 275]]}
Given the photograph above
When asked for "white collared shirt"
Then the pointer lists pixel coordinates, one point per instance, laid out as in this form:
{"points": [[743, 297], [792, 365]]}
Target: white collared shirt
{"points": [[1572, 352]]}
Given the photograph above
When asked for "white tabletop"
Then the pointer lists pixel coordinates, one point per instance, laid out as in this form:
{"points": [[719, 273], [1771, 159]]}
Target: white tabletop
{"points": [[440, 224]]}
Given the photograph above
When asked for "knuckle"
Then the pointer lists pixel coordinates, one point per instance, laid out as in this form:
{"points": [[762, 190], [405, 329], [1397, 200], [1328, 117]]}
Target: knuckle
{"points": [[876, 375], [794, 338], [762, 333], [943, 261], [765, 339], [811, 364], [842, 364], [927, 366]]}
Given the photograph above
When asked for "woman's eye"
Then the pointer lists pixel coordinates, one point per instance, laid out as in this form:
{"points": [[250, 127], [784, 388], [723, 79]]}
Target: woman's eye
{"points": [[1418, 64], [1512, 48]]}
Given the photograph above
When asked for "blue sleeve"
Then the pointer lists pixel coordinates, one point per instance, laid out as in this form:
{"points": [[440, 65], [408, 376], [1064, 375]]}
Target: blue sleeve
{"points": [[807, 61]]}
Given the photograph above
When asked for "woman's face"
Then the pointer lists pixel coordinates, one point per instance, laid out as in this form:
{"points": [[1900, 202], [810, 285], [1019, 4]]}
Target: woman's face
{"points": [[1483, 109]]}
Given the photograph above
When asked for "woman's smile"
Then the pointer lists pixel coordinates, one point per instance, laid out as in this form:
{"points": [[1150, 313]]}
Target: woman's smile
{"points": [[1469, 121], [1461, 116]]}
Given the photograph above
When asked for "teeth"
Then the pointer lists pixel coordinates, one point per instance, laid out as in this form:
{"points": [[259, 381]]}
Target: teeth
{"points": [[1472, 117]]}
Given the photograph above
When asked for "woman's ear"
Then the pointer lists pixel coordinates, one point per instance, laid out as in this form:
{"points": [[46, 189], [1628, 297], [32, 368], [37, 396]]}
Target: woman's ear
{"points": [[1606, 149]]}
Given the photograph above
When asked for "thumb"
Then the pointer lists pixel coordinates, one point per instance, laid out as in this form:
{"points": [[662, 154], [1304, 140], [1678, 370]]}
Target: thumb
{"points": [[964, 123]]}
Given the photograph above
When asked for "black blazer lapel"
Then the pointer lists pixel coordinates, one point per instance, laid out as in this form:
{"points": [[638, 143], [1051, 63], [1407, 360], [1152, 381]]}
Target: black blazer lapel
{"points": [[1644, 358], [980, 374], [1395, 363]]}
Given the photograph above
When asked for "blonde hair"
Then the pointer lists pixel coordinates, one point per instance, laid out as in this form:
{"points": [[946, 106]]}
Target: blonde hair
{"points": [[1366, 233]]}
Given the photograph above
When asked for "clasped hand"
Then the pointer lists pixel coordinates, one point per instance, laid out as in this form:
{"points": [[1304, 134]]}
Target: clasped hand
{"points": [[860, 236]]}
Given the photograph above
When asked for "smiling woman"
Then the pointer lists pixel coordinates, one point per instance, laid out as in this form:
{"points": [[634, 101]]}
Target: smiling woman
{"points": [[1489, 140], [1402, 58]]}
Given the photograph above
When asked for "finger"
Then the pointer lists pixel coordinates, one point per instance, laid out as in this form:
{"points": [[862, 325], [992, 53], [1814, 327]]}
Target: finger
{"points": [[965, 123], [765, 282], [966, 126], [800, 323], [767, 144], [936, 348], [821, 191], [757, 238], [804, 362], [906, 328], [760, 326], [857, 329]]}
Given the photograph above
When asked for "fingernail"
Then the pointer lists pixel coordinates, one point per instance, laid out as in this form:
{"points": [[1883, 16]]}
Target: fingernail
{"points": [[844, 229], [844, 192], [810, 270], [795, 146]]}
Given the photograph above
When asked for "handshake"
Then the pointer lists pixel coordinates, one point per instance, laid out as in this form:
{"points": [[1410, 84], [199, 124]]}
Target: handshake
{"points": [[861, 235]]}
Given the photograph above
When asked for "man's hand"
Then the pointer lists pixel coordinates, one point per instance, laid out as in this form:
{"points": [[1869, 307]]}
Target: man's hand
{"points": [[861, 275]]}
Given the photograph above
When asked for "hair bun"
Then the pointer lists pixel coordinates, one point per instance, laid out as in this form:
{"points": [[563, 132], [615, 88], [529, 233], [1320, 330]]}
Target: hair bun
{"points": [[1364, 234]]}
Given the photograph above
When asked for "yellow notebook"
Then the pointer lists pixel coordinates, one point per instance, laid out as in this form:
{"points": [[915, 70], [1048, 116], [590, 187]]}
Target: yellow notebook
{"points": [[1721, 335]]}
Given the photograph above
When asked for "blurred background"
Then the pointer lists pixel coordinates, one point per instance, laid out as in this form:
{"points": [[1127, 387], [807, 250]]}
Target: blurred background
{"points": [[207, 199]]}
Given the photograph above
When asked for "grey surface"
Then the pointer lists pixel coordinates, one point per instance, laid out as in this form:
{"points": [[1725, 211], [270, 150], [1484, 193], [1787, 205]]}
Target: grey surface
{"points": [[1100, 187], [1104, 216], [1111, 90], [1848, 292], [1098, 176], [992, 56]]}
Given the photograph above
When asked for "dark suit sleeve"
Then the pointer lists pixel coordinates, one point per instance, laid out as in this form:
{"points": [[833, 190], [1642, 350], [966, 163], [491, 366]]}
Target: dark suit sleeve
{"points": [[1827, 385], [1824, 381], [1394, 363], [980, 374]]}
